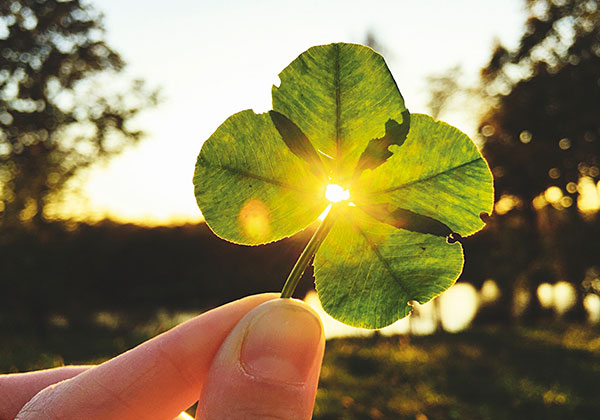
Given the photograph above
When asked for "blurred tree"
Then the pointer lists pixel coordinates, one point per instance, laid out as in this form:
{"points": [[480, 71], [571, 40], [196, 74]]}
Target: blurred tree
{"points": [[543, 139], [372, 40], [443, 88], [57, 114]]}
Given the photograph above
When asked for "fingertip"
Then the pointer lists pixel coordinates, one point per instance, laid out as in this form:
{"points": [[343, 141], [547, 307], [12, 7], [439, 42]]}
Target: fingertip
{"points": [[280, 342], [268, 366]]}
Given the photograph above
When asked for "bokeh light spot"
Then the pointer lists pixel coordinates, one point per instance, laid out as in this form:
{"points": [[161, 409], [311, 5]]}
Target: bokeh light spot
{"points": [[525, 136], [545, 294], [490, 292], [488, 130], [553, 194], [564, 297], [564, 144], [591, 303]]}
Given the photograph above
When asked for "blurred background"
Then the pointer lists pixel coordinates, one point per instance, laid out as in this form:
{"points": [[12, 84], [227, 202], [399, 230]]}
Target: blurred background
{"points": [[104, 105]]}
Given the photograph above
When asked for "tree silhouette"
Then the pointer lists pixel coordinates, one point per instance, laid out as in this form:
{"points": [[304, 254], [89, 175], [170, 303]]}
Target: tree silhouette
{"points": [[544, 132], [57, 115], [442, 89]]}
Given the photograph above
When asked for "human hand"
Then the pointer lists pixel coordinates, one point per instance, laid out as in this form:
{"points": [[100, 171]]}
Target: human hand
{"points": [[255, 358]]}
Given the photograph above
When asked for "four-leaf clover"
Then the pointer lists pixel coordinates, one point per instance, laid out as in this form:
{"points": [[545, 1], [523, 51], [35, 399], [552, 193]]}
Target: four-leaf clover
{"points": [[408, 186]]}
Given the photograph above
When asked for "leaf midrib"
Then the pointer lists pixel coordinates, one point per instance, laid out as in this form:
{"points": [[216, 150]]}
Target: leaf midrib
{"points": [[259, 177], [382, 260], [338, 106], [424, 179]]}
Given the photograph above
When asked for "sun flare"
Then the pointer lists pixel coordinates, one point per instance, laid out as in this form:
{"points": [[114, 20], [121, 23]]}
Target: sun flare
{"points": [[336, 193]]}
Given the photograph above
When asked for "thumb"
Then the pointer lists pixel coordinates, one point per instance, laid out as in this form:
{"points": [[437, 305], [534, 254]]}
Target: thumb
{"points": [[268, 367]]}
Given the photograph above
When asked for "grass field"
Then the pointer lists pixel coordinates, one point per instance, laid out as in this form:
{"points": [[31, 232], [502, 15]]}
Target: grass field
{"points": [[552, 372], [549, 373]]}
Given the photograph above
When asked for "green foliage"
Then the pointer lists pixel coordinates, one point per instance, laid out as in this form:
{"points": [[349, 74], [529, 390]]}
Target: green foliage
{"points": [[416, 185], [518, 373], [62, 108]]}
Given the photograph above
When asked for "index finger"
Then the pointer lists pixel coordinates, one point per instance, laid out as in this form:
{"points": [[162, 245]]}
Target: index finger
{"points": [[156, 380], [18, 388]]}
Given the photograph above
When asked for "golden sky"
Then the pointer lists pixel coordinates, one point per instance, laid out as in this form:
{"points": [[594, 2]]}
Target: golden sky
{"points": [[214, 58]]}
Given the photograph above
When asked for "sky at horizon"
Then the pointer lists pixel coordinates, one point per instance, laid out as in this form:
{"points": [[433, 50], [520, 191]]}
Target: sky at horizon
{"points": [[213, 59]]}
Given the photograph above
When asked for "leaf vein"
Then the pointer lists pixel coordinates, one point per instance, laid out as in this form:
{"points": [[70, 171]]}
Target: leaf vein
{"points": [[259, 177], [383, 261], [338, 105], [427, 178]]}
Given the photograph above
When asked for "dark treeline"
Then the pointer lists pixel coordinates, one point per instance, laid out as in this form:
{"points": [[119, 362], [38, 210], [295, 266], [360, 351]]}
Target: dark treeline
{"points": [[542, 141], [135, 271], [132, 271]]}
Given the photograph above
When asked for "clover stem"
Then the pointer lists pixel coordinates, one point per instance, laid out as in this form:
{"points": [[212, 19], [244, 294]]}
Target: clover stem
{"points": [[310, 250]]}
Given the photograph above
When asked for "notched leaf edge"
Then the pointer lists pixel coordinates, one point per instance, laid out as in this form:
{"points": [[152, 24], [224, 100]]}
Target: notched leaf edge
{"points": [[377, 151]]}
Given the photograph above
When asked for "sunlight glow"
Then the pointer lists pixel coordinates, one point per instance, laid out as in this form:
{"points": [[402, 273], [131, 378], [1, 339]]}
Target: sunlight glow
{"points": [[589, 195], [325, 212], [553, 194], [458, 307], [564, 297], [332, 327], [490, 292], [591, 303], [545, 294], [455, 310], [506, 203], [130, 189], [336, 193]]}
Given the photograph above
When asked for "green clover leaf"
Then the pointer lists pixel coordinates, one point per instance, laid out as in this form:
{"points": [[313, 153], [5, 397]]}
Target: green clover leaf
{"points": [[415, 185]]}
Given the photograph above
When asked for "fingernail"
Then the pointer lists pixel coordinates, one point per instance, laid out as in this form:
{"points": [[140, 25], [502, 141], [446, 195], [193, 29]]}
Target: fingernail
{"points": [[281, 343]]}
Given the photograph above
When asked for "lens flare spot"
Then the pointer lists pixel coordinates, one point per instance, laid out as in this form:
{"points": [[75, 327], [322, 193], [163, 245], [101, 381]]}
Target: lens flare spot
{"points": [[255, 220], [336, 193]]}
